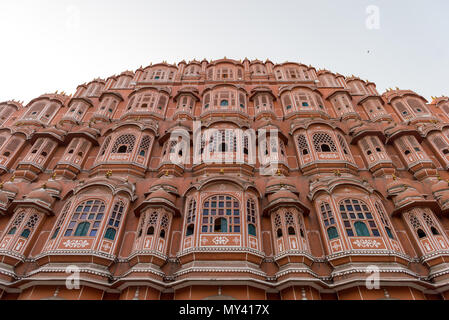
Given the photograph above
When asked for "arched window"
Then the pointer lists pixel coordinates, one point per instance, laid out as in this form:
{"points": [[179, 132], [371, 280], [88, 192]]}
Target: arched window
{"points": [[361, 229], [105, 146], [343, 144], [421, 233], [144, 146], [430, 223], [221, 212], [25, 233], [152, 220], [124, 144], [191, 214], [224, 103], [328, 220], [384, 219], [251, 216], [290, 222], [332, 233], [82, 229], [190, 229], [220, 225], [279, 232], [355, 215], [114, 220], [323, 142], [164, 226], [17, 222], [61, 219], [86, 219], [416, 224], [291, 231], [303, 146]]}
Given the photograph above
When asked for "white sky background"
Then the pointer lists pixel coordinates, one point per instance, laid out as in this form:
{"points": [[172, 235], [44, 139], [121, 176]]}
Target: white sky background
{"points": [[56, 45]]}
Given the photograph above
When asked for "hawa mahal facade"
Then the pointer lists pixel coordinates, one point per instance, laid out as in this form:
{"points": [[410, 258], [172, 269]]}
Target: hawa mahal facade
{"points": [[345, 184]]}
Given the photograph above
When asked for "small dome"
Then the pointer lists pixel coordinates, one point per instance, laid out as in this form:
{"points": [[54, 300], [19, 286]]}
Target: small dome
{"points": [[354, 124], [440, 186], [54, 185], [161, 194], [278, 181], [3, 198], [164, 182], [409, 193], [283, 194], [41, 195], [395, 183], [10, 187]]}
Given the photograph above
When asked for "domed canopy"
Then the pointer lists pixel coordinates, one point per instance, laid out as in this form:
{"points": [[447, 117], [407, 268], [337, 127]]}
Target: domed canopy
{"points": [[284, 197], [159, 198], [407, 194], [440, 186], [284, 194], [167, 183], [40, 195], [3, 198], [54, 186], [278, 183], [161, 194], [9, 187]]}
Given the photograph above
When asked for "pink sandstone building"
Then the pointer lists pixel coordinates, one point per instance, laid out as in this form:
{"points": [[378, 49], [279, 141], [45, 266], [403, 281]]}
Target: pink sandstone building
{"points": [[333, 191]]}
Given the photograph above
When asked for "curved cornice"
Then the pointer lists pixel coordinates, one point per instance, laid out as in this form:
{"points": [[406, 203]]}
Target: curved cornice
{"points": [[115, 185]]}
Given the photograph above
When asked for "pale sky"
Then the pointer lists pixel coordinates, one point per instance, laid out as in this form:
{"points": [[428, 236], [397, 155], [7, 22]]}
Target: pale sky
{"points": [[57, 45]]}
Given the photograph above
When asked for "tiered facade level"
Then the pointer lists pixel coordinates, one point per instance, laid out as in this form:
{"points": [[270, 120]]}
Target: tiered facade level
{"points": [[342, 181]]}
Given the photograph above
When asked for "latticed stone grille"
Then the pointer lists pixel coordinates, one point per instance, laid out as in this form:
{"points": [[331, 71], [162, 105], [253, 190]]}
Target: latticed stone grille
{"points": [[152, 219], [105, 146], [321, 138], [289, 219], [277, 221], [144, 145], [303, 146], [164, 221], [428, 219], [31, 223], [124, 140], [18, 220], [343, 145], [414, 221]]}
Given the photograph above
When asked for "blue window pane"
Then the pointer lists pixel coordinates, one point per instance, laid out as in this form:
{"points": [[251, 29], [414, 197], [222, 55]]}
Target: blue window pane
{"points": [[349, 232], [206, 212]]}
